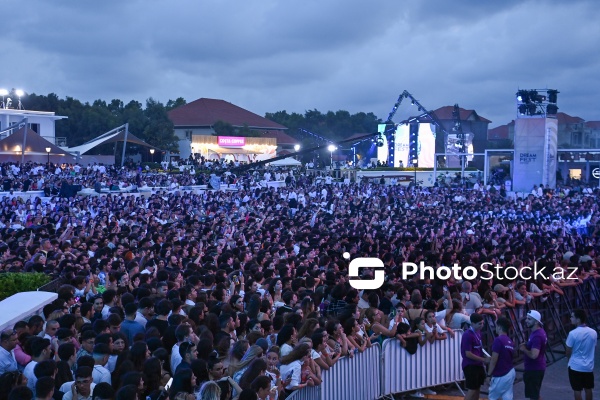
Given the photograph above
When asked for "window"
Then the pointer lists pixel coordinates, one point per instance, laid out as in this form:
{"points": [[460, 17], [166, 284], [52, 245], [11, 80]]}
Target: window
{"points": [[576, 138], [188, 135]]}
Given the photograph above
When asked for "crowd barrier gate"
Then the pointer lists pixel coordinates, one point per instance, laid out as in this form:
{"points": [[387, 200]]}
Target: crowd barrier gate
{"points": [[432, 365], [355, 378], [380, 372]]}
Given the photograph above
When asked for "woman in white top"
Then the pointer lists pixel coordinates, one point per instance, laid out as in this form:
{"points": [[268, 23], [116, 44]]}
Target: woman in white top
{"points": [[456, 317], [291, 366]]}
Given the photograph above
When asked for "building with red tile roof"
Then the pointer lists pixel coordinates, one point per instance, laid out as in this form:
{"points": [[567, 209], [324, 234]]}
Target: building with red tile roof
{"points": [[197, 119]]}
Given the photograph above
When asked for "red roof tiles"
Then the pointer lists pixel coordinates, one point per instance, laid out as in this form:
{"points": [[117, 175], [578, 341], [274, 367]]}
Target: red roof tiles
{"points": [[445, 113], [205, 112]]}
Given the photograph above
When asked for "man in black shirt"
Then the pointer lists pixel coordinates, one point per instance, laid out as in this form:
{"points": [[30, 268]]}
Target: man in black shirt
{"points": [[162, 313], [227, 327]]}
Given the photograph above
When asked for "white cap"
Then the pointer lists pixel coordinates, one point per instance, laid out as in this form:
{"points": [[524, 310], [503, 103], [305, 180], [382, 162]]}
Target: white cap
{"points": [[535, 315]]}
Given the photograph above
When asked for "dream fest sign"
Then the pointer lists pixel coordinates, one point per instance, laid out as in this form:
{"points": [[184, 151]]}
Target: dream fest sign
{"points": [[535, 153]]}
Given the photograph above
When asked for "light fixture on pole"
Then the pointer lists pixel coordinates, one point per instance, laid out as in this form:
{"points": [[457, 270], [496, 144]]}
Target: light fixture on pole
{"points": [[331, 149], [296, 149], [3, 93], [48, 149], [19, 94], [415, 163], [151, 155]]}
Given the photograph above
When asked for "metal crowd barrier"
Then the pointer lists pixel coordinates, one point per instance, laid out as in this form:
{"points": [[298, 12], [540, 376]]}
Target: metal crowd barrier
{"points": [[355, 378], [376, 372], [432, 365], [382, 372]]}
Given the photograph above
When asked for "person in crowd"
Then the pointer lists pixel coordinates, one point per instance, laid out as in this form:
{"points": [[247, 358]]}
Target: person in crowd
{"points": [[500, 368], [44, 388], [8, 342], [83, 386], [291, 367], [41, 350], [581, 345], [473, 358], [534, 355]]}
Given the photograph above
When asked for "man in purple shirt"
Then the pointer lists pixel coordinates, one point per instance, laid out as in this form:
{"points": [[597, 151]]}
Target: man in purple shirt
{"points": [[501, 365], [534, 355], [473, 360]]}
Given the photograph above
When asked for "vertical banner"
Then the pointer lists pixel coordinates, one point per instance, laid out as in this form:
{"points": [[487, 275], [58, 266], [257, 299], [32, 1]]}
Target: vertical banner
{"points": [[551, 159], [402, 138], [383, 151], [535, 153], [426, 146]]}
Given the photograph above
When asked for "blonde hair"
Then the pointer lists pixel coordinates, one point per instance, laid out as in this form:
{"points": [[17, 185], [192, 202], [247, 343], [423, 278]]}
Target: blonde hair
{"points": [[209, 391]]}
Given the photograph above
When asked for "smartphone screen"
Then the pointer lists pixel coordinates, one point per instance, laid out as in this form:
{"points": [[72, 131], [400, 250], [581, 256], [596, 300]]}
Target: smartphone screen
{"points": [[168, 385]]}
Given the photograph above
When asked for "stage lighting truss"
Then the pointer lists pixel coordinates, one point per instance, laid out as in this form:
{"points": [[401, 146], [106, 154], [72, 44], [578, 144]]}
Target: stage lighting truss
{"points": [[537, 102]]}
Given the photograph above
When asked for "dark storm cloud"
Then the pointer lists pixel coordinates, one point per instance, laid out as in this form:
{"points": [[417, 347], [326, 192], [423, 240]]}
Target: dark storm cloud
{"points": [[272, 55]]}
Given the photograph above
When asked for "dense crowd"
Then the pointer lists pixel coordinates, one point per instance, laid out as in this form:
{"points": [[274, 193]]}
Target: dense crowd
{"points": [[244, 293]]}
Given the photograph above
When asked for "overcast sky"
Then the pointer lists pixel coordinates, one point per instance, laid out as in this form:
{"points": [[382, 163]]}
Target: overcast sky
{"points": [[271, 55]]}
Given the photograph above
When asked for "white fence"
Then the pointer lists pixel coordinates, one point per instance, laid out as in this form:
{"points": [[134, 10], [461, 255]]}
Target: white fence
{"points": [[433, 364], [381, 372], [349, 379]]}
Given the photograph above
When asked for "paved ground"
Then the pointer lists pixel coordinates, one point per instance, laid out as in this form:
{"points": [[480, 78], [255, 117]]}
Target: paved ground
{"points": [[555, 387]]}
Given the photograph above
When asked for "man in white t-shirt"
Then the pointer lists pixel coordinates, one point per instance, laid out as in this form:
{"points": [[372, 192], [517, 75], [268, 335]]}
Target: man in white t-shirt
{"points": [[471, 300], [581, 346]]}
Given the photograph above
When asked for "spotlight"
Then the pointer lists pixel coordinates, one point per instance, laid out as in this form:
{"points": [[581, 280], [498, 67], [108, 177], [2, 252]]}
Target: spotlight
{"points": [[523, 96], [19, 94], [523, 109], [380, 142], [535, 97], [551, 109], [552, 95], [331, 148], [412, 102], [296, 147], [531, 109]]}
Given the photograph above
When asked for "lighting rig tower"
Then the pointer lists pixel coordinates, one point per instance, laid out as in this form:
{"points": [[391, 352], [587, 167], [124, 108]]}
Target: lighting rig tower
{"points": [[462, 141], [390, 126], [533, 102]]}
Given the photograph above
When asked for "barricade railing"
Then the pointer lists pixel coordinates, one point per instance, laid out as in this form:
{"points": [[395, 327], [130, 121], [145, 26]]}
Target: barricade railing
{"points": [[51, 286], [391, 369], [593, 288], [433, 364], [356, 378]]}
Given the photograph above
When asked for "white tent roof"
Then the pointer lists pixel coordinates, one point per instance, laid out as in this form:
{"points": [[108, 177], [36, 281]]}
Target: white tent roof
{"points": [[116, 135], [286, 162]]}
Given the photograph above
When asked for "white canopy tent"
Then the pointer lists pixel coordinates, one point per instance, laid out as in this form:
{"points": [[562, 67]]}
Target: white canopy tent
{"points": [[286, 162]]}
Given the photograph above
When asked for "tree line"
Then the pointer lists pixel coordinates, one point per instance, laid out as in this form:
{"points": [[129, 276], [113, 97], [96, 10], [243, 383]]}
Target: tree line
{"points": [[86, 121]]}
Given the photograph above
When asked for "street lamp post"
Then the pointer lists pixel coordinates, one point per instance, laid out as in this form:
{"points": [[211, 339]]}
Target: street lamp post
{"points": [[331, 149], [296, 149], [48, 149], [151, 155]]}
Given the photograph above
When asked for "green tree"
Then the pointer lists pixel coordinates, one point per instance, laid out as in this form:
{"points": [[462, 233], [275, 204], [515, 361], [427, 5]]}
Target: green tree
{"points": [[160, 131], [223, 128], [178, 102]]}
